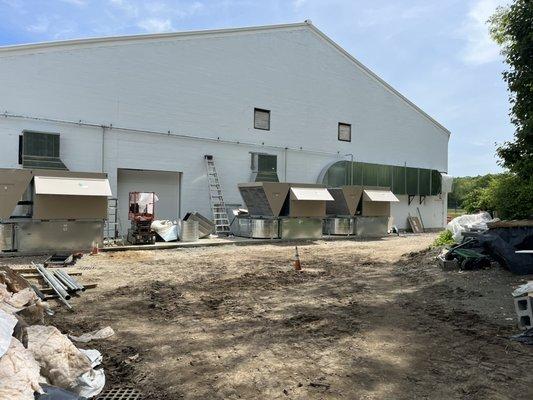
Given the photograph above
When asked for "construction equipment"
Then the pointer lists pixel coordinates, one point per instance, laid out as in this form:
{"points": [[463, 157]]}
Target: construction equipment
{"points": [[141, 213], [218, 207]]}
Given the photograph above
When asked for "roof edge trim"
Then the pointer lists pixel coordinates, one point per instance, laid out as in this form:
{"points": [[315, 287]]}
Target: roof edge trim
{"points": [[148, 36]]}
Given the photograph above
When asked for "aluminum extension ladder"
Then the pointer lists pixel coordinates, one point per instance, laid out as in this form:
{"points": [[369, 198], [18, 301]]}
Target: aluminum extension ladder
{"points": [[218, 207], [112, 226]]}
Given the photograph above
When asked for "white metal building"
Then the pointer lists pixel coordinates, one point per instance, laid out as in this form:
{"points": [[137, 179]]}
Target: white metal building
{"points": [[146, 109]]}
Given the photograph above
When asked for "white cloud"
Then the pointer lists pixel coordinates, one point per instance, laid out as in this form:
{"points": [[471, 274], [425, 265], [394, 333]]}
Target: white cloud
{"points": [[78, 3], [299, 3], [155, 25], [192, 9], [480, 48], [16, 4], [41, 26], [126, 6]]}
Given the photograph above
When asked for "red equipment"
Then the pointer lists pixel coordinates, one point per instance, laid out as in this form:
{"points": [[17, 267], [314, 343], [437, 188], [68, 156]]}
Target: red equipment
{"points": [[141, 213]]}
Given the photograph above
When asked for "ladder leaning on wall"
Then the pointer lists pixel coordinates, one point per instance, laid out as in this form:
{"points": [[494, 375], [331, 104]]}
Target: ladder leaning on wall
{"points": [[218, 206], [112, 227]]}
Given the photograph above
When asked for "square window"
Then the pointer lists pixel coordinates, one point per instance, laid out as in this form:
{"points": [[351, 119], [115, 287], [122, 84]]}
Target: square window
{"points": [[262, 119], [345, 132]]}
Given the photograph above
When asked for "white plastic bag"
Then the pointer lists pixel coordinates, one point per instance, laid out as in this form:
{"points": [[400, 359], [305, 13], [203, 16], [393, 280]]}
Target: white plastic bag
{"points": [[167, 230], [92, 382], [103, 333], [468, 221]]}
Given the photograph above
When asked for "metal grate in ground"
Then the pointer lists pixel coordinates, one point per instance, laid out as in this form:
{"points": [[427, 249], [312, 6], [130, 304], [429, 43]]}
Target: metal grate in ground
{"points": [[120, 394]]}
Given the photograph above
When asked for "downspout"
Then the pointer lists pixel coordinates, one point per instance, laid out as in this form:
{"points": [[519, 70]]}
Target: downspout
{"points": [[285, 169], [103, 149]]}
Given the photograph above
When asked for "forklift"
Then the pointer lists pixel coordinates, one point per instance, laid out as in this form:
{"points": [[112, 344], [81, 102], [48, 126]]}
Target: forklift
{"points": [[141, 213]]}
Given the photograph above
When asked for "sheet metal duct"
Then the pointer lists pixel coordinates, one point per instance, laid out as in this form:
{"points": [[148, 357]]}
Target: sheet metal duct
{"points": [[56, 236], [206, 227], [67, 209], [300, 228], [258, 228], [346, 200], [371, 226], [264, 198]]}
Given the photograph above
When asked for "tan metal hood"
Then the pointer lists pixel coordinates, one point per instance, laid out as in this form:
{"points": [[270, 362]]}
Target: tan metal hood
{"points": [[13, 184]]}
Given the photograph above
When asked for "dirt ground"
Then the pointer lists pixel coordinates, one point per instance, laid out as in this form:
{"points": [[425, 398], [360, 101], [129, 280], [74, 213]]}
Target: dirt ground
{"points": [[364, 320]]}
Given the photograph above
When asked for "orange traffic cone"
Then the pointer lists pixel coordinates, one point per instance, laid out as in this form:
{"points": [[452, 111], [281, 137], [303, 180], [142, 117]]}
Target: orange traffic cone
{"points": [[297, 264], [95, 249]]}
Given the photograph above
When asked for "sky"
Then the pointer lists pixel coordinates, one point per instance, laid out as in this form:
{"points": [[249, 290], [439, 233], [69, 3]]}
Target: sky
{"points": [[438, 53]]}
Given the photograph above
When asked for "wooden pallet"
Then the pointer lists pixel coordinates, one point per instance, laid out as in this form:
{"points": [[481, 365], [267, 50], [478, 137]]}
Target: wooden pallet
{"points": [[415, 224]]}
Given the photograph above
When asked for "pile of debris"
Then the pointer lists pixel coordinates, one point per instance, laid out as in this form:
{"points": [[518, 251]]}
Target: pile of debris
{"points": [[483, 240], [38, 361]]}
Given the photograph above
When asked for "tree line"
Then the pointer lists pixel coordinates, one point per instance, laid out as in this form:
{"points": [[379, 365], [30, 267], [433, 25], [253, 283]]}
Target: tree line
{"points": [[509, 194]]}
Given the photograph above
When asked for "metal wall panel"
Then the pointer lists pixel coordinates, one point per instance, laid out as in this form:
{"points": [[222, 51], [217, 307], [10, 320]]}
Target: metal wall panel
{"points": [[6, 237], [69, 207], [301, 228], [58, 235], [339, 226], [258, 228], [371, 226]]}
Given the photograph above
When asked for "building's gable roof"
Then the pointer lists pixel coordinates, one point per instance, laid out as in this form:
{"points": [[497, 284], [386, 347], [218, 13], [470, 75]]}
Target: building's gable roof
{"points": [[111, 40]]}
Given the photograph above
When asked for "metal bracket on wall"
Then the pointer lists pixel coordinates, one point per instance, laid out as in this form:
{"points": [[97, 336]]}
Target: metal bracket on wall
{"points": [[410, 198], [422, 199]]}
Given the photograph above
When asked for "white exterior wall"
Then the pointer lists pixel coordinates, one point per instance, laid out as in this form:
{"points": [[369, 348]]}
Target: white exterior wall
{"points": [[206, 87]]}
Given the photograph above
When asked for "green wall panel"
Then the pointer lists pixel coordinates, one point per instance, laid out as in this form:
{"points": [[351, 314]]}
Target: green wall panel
{"points": [[398, 180], [424, 182], [370, 174], [384, 175], [411, 178], [401, 180]]}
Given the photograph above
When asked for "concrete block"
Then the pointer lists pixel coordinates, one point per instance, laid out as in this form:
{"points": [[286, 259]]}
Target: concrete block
{"points": [[524, 311]]}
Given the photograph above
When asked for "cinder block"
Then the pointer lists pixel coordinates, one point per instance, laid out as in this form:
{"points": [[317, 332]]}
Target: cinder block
{"points": [[524, 311]]}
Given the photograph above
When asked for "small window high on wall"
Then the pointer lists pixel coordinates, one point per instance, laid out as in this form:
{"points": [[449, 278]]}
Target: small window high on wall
{"points": [[345, 132], [261, 119]]}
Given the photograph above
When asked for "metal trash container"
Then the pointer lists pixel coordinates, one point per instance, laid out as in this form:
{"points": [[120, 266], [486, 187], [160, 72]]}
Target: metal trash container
{"points": [[189, 231]]}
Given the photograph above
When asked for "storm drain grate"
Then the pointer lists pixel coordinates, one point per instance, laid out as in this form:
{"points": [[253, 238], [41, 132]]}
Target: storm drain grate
{"points": [[120, 394]]}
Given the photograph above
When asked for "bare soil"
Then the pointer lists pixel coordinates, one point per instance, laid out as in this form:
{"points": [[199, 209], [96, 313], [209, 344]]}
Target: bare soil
{"points": [[364, 320]]}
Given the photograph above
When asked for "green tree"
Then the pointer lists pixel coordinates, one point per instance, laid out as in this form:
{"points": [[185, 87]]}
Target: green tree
{"points": [[509, 195], [466, 187], [512, 28]]}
